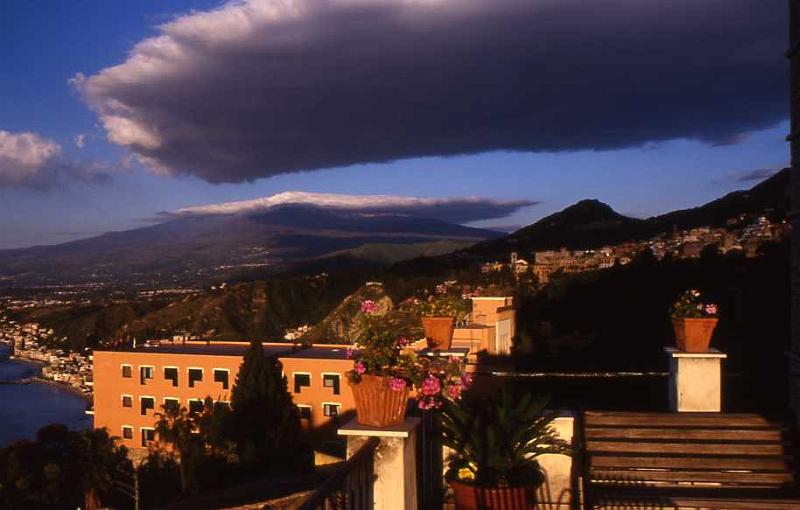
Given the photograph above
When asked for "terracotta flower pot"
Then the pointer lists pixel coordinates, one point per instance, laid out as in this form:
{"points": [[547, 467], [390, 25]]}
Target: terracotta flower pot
{"points": [[377, 405], [438, 331], [469, 497], [693, 335]]}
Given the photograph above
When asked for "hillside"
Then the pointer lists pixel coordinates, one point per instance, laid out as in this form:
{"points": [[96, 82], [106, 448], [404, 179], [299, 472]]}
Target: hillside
{"points": [[386, 253], [263, 309], [197, 249], [342, 325], [629, 331]]}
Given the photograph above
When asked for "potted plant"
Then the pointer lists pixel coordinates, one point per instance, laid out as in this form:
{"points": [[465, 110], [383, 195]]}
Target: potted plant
{"points": [[693, 322], [386, 369], [439, 314], [495, 442]]}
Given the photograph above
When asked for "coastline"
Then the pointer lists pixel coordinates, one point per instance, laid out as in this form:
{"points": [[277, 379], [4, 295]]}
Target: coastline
{"points": [[62, 386], [38, 379]]}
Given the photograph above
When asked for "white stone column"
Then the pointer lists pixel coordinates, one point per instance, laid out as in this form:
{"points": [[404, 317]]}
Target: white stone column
{"points": [[695, 380], [395, 486]]}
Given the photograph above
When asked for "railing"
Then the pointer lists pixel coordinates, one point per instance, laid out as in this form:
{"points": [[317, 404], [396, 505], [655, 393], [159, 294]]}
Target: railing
{"points": [[350, 487]]}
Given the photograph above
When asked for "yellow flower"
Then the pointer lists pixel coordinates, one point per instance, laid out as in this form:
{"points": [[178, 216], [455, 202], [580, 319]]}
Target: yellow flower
{"points": [[465, 474], [411, 353]]}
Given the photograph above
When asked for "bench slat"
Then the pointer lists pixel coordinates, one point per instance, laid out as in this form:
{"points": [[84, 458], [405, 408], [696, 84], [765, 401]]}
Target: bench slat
{"points": [[678, 420], [636, 477], [684, 503], [762, 450], [679, 433], [718, 463]]}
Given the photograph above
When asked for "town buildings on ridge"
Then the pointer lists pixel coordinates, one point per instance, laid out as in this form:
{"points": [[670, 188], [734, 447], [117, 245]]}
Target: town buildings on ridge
{"points": [[743, 233]]}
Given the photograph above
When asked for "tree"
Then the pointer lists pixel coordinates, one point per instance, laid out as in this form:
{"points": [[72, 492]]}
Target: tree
{"points": [[62, 468], [176, 426], [214, 423], [265, 420]]}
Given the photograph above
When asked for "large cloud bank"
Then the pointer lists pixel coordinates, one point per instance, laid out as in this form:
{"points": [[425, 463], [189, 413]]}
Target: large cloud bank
{"points": [[29, 160], [455, 210], [262, 87]]}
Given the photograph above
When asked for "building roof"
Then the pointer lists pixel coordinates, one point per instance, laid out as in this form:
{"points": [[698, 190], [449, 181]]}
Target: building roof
{"points": [[286, 350], [318, 352]]}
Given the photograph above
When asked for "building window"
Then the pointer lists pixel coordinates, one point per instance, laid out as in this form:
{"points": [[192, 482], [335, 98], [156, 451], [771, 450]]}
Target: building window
{"points": [[195, 375], [145, 373], [305, 412], [171, 374], [196, 406], [221, 376], [127, 371], [172, 404], [330, 409], [127, 432], [148, 436], [148, 403], [127, 401], [331, 381], [301, 381]]}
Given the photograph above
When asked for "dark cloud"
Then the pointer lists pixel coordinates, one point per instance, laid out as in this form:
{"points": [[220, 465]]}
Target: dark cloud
{"points": [[451, 209], [258, 88]]}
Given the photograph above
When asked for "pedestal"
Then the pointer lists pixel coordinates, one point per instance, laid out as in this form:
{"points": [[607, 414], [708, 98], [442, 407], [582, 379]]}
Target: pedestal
{"points": [[395, 486], [695, 380]]}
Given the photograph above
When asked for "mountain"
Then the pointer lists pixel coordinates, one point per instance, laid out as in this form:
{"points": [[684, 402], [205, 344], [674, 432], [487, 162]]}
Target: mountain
{"points": [[591, 223], [198, 248]]}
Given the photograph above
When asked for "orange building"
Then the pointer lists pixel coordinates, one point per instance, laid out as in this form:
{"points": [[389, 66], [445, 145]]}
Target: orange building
{"points": [[491, 327], [131, 386]]}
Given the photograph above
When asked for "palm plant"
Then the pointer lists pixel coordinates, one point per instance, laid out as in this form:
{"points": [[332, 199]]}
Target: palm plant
{"points": [[496, 441], [176, 426]]}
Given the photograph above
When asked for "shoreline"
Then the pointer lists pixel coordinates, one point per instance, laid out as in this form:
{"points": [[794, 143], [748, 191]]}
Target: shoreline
{"points": [[62, 386], [38, 379]]}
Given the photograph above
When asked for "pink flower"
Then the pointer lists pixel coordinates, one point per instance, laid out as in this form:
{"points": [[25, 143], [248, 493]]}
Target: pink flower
{"points": [[369, 306], [441, 288], [403, 341], [711, 309], [351, 353], [428, 403], [466, 380], [454, 391], [397, 384], [431, 386], [360, 368]]}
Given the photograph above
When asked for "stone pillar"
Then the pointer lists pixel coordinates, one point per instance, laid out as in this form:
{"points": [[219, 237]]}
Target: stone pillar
{"points": [[695, 380], [395, 486]]}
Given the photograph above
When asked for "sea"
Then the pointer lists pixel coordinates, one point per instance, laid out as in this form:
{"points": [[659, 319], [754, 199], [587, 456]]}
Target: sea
{"points": [[25, 408]]}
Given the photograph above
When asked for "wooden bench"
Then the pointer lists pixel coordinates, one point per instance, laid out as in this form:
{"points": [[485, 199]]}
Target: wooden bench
{"points": [[685, 460]]}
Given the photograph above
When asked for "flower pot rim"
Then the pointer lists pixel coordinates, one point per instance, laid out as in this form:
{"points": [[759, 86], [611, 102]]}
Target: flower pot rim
{"points": [[372, 375], [438, 316], [451, 477], [695, 318], [455, 481]]}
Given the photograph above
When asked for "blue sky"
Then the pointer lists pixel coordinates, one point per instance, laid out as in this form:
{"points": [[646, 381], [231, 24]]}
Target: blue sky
{"points": [[680, 154]]}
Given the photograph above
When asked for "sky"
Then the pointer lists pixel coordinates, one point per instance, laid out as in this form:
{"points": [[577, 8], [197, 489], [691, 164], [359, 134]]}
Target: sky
{"points": [[117, 114]]}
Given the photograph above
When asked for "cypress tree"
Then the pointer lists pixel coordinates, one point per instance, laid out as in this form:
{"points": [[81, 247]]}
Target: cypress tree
{"points": [[266, 421]]}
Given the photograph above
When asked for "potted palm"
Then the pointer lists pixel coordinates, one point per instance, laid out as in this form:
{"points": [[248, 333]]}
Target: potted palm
{"points": [[386, 369], [693, 322], [495, 443], [440, 312]]}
